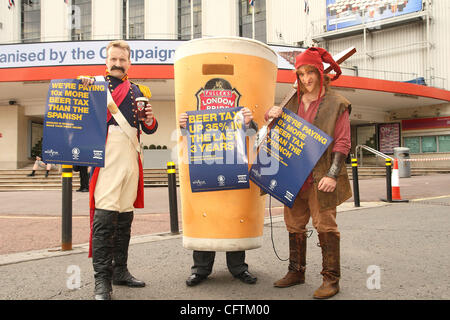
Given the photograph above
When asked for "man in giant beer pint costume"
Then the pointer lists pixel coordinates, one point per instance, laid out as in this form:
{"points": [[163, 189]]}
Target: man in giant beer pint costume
{"points": [[328, 184], [204, 260], [118, 188], [211, 74]]}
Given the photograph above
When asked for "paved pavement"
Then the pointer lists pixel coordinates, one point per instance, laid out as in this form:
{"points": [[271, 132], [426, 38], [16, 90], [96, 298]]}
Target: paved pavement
{"points": [[389, 251], [31, 220]]}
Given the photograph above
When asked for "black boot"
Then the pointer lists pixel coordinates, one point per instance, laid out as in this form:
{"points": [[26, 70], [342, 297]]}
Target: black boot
{"points": [[102, 251], [46, 174], [121, 275], [31, 174]]}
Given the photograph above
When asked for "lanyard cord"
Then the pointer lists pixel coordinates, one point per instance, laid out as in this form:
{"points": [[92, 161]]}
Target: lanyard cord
{"points": [[271, 231]]}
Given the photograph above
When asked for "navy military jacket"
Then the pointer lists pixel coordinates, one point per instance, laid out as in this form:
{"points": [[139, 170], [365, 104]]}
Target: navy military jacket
{"points": [[128, 107]]}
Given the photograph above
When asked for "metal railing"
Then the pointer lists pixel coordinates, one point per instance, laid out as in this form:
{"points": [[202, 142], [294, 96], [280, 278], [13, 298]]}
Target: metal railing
{"points": [[382, 74], [429, 77], [377, 153]]}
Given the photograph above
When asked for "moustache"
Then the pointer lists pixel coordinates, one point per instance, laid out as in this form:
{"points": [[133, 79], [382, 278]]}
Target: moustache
{"points": [[118, 68]]}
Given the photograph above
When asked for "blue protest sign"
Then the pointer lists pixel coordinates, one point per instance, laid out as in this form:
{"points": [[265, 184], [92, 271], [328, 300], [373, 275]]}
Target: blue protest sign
{"points": [[285, 161], [75, 123], [217, 150]]}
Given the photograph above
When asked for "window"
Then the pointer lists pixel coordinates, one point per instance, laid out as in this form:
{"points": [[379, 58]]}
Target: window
{"points": [[31, 20], [413, 143], [427, 144], [136, 25], [246, 22], [36, 131], [184, 19], [444, 143], [367, 135], [124, 19], [81, 20]]}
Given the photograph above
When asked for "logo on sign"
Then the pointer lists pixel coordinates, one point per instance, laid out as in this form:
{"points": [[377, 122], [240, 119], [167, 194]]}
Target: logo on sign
{"points": [[199, 182], [289, 196], [273, 184], [242, 178], [256, 173], [75, 153], [221, 180], [217, 94], [98, 154], [51, 152]]}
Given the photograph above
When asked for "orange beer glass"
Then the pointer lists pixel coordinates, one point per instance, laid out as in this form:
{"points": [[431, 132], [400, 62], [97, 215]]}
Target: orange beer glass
{"points": [[245, 70]]}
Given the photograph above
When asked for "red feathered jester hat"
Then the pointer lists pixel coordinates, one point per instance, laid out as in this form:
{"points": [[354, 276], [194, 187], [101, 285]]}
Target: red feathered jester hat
{"points": [[316, 56]]}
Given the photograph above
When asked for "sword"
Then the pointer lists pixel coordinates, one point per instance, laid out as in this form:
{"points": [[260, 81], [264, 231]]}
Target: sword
{"points": [[262, 133]]}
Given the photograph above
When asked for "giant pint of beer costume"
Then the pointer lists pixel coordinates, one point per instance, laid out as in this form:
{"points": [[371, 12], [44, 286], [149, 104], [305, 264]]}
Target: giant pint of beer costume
{"points": [[225, 220]]}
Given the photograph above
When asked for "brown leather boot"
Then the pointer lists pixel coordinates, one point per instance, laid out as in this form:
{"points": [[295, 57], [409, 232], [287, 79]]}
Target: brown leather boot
{"points": [[331, 271], [297, 261]]}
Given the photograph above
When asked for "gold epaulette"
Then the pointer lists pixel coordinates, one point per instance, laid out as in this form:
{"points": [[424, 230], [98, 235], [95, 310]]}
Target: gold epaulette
{"points": [[145, 90]]}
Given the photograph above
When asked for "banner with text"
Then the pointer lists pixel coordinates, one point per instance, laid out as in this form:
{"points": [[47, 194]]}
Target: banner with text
{"points": [[81, 53], [388, 137], [75, 123], [297, 145], [217, 150], [343, 13]]}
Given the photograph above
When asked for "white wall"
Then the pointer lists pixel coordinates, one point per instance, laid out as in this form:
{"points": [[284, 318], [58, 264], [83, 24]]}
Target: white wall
{"points": [[407, 46], [9, 127], [165, 112], [161, 19], [220, 18], [55, 27], [440, 40], [440, 110], [286, 22], [10, 20], [401, 51], [106, 19]]}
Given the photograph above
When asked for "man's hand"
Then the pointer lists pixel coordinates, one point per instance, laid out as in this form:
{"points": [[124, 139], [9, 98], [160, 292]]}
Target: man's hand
{"points": [[248, 116], [149, 113], [275, 112], [86, 81], [182, 120], [327, 184]]}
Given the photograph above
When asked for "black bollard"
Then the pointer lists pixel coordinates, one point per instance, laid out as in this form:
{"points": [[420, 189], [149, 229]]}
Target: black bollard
{"points": [[389, 180], [172, 185], [355, 182], [66, 243]]}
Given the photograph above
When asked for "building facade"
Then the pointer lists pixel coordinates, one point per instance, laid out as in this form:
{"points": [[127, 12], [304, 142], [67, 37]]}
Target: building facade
{"points": [[397, 81]]}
